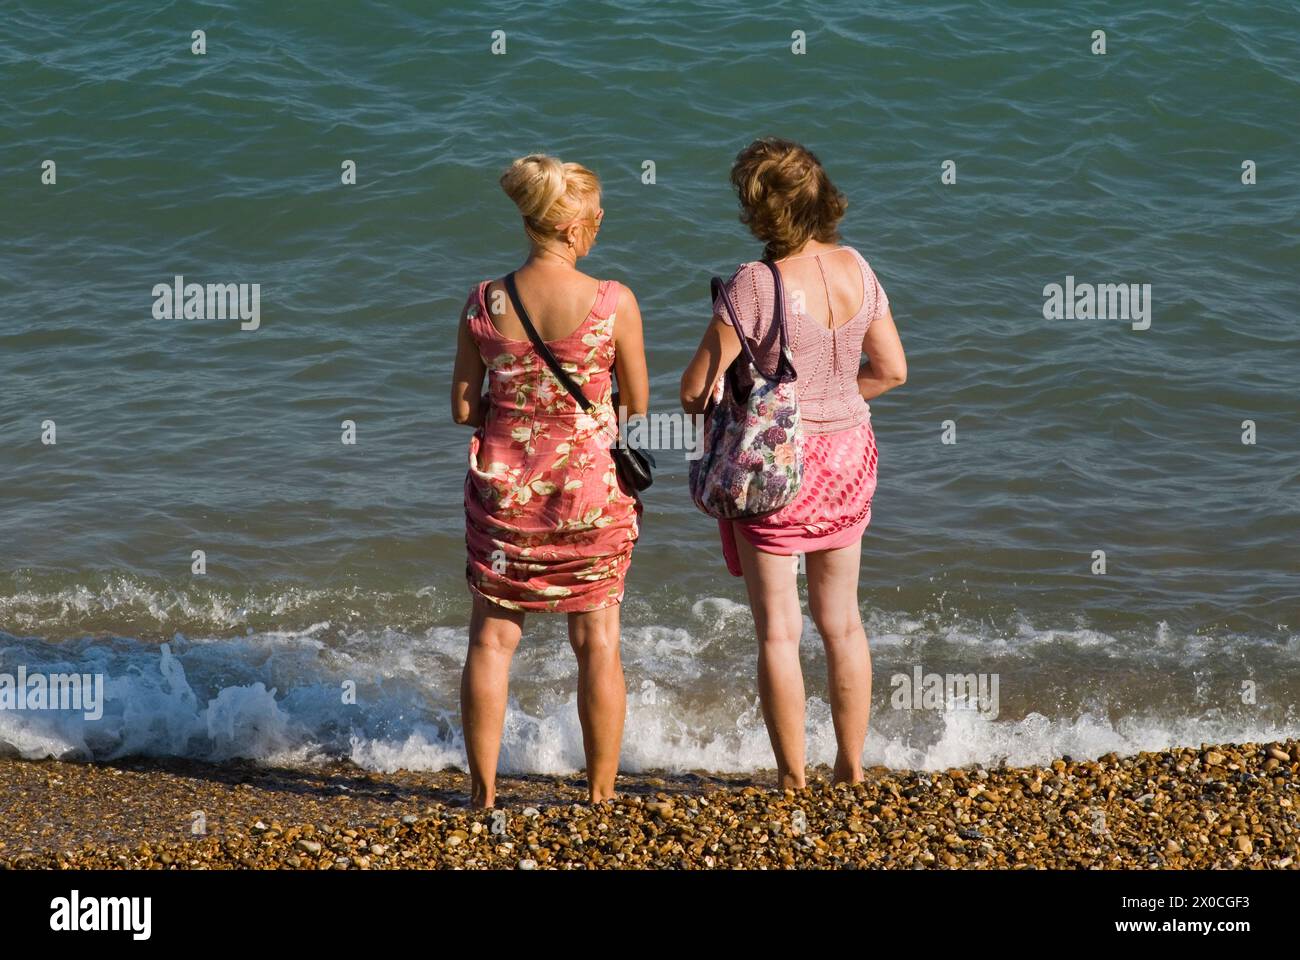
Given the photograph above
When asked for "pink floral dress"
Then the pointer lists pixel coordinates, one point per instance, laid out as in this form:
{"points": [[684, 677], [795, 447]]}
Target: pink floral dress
{"points": [[548, 524]]}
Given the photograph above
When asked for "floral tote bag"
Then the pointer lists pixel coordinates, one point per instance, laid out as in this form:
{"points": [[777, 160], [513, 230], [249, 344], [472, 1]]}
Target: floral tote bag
{"points": [[752, 464]]}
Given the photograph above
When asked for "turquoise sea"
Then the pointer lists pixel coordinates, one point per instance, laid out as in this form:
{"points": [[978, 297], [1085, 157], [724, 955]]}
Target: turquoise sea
{"points": [[328, 563]]}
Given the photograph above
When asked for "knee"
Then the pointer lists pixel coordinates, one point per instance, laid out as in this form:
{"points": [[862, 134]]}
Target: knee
{"points": [[500, 642], [842, 634], [780, 636], [595, 645]]}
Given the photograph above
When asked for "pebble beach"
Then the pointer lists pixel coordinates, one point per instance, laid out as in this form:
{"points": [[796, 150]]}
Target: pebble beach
{"points": [[1216, 806]]}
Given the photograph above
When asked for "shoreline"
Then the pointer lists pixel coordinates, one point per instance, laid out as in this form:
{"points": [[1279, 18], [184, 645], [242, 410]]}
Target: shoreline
{"points": [[1216, 806]]}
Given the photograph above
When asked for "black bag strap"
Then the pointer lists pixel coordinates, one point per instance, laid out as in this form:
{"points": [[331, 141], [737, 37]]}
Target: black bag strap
{"points": [[542, 349]]}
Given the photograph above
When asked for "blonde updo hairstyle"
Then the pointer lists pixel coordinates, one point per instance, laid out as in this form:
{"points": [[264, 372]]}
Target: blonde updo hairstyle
{"points": [[548, 192], [786, 197]]}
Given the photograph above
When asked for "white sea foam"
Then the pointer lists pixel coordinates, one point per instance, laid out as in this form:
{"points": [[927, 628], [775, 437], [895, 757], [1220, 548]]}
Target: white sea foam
{"points": [[279, 697]]}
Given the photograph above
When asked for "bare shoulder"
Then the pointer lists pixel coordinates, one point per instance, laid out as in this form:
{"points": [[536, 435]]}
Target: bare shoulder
{"points": [[583, 284], [493, 288], [860, 258], [627, 313], [626, 298]]}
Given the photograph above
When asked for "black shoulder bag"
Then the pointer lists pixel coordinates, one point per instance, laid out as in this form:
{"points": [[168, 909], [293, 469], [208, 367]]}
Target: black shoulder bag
{"points": [[633, 465]]}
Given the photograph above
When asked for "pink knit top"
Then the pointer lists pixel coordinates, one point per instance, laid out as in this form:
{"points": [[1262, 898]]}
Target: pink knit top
{"points": [[826, 359]]}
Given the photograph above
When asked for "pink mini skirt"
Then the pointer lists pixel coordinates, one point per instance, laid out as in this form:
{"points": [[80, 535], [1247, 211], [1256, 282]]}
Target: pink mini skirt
{"points": [[832, 509]]}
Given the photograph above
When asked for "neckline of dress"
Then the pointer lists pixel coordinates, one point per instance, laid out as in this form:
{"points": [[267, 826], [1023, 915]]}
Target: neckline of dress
{"points": [[600, 294], [820, 253]]}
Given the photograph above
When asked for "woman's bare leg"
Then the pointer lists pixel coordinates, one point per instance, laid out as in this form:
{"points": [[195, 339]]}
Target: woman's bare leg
{"points": [[484, 688], [833, 603], [602, 695], [778, 622]]}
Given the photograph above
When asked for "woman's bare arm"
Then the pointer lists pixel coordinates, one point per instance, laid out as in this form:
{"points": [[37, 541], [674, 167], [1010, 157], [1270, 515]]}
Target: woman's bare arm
{"points": [[718, 348], [629, 356], [467, 378], [886, 366]]}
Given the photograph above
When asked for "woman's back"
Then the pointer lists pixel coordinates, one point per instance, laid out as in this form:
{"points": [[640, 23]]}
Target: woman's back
{"points": [[831, 298], [521, 388], [558, 302], [828, 287]]}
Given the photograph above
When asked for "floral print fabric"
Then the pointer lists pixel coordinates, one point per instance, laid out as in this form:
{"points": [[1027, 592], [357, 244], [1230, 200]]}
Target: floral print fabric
{"points": [[548, 524], [752, 463]]}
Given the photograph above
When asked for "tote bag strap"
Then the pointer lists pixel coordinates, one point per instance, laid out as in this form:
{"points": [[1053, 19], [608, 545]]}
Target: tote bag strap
{"points": [[784, 371]]}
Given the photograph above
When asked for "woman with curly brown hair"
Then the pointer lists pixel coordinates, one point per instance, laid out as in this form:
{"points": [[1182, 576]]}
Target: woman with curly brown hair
{"points": [[837, 311]]}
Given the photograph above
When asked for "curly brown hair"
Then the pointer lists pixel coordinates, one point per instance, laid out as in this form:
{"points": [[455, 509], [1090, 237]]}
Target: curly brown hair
{"points": [[786, 197]]}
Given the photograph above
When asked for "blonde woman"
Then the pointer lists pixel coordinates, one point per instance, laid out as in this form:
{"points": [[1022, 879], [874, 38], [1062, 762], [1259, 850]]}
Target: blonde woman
{"points": [[549, 526], [836, 311]]}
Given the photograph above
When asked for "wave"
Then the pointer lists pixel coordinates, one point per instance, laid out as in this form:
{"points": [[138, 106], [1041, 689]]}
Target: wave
{"points": [[386, 699]]}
